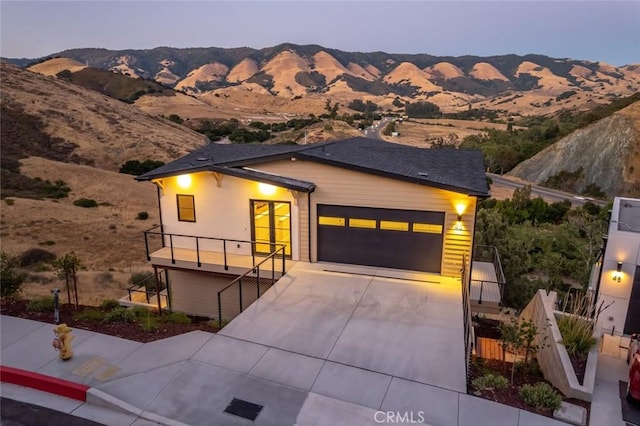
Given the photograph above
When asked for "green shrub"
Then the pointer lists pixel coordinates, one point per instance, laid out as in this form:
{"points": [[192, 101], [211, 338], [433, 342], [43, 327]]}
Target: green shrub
{"points": [[541, 396], [328, 127], [577, 335], [89, 315], [140, 312], [85, 202], [142, 216], [176, 318], [216, 324], [10, 279], [47, 243], [110, 304], [149, 324], [41, 304], [119, 314], [9, 201], [490, 382]]}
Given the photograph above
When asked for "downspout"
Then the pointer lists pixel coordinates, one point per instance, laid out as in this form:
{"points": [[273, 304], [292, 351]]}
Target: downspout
{"points": [[158, 190], [309, 221]]}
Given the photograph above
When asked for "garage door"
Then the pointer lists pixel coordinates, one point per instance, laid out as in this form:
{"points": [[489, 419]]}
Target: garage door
{"points": [[401, 239]]}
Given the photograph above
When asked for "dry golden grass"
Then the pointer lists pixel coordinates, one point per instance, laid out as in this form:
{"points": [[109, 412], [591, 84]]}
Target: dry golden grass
{"points": [[53, 66]]}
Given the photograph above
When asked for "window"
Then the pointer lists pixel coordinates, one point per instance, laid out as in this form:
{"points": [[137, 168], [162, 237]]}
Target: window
{"points": [[331, 221], [362, 223], [186, 208], [428, 228], [390, 225]]}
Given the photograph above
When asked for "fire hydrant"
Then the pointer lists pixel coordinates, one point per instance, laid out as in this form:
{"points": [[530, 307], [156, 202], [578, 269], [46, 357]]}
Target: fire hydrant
{"points": [[62, 341]]}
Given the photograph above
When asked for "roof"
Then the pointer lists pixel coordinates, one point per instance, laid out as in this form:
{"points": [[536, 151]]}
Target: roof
{"points": [[452, 169]]}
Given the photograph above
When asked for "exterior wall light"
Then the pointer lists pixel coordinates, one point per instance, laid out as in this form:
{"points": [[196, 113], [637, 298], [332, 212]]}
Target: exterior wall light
{"points": [[184, 181], [617, 275], [266, 189]]}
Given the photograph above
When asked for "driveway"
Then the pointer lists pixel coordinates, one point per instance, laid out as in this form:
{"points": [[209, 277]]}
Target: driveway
{"points": [[344, 322]]}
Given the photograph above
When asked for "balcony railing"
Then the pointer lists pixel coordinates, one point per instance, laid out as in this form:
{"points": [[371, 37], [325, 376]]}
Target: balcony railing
{"points": [[145, 291], [488, 254], [248, 287], [203, 245], [466, 314]]}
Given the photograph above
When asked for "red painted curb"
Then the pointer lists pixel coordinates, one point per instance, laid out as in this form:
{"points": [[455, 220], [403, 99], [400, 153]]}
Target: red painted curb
{"points": [[44, 383]]}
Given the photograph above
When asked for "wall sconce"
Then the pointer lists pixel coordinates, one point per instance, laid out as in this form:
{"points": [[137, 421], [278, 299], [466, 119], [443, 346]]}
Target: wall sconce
{"points": [[266, 189], [184, 181], [617, 275]]}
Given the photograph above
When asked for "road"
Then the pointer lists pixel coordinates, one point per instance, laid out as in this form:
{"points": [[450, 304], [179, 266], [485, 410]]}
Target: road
{"points": [[548, 194], [373, 132], [18, 413]]}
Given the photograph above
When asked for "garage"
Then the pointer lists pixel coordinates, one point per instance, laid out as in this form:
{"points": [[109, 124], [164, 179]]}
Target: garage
{"points": [[391, 238]]}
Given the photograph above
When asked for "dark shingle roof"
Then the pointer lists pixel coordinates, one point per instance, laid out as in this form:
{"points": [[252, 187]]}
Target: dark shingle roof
{"points": [[452, 169]]}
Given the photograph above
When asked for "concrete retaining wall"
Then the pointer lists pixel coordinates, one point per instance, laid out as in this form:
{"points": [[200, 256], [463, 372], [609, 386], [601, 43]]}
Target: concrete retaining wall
{"points": [[552, 356]]}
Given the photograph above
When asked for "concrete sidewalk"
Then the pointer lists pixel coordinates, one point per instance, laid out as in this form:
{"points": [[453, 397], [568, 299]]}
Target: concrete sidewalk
{"points": [[190, 379]]}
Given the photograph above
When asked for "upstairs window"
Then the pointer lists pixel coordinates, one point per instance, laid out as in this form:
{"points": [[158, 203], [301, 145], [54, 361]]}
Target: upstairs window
{"points": [[186, 208]]}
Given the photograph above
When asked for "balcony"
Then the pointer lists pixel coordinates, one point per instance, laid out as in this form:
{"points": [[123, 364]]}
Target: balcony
{"points": [[486, 287], [209, 254]]}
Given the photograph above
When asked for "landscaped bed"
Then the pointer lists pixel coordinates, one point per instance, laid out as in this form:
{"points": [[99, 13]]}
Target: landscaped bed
{"points": [[139, 325]]}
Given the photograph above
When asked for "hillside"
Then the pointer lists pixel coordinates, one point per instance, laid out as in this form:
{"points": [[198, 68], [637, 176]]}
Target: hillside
{"points": [[530, 84], [605, 153], [90, 128]]}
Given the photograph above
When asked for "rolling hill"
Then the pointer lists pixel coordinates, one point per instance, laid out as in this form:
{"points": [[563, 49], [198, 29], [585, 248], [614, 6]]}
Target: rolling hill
{"points": [[531, 84]]}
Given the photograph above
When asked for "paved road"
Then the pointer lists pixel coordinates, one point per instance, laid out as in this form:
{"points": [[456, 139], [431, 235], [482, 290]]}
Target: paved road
{"points": [[373, 132], [546, 193], [17, 413]]}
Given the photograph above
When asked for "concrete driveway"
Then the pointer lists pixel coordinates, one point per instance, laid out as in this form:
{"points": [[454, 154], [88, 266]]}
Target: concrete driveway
{"points": [[354, 327]]}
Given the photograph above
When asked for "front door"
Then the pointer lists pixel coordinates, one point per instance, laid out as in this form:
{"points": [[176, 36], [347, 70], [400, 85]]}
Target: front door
{"points": [[270, 226]]}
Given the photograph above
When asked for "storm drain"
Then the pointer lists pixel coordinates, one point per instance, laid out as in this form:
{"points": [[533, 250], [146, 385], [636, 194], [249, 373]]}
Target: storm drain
{"points": [[244, 409]]}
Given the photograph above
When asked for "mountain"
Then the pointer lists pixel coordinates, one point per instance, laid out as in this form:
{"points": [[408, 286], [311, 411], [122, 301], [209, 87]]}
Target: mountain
{"points": [[605, 154], [530, 84]]}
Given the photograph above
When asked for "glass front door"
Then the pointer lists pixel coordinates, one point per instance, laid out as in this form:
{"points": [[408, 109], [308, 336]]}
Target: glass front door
{"points": [[271, 225]]}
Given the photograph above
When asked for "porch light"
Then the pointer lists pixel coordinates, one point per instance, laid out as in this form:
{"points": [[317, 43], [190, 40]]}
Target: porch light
{"points": [[184, 181], [617, 275], [266, 189]]}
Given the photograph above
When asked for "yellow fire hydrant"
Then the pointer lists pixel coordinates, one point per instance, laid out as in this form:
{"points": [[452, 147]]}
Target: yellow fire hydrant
{"points": [[62, 341]]}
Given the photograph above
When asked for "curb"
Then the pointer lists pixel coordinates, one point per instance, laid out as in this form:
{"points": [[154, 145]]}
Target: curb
{"points": [[44, 383]]}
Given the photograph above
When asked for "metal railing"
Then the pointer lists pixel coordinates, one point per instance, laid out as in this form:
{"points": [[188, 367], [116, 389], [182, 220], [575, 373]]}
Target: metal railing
{"points": [[200, 244], [249, 286], [490, 254], [143, 288], [466, 313]]}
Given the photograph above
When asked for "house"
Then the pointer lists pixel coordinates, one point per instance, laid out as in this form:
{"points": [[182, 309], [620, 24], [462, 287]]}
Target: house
{"points": [[617, 276], [238, 216]]}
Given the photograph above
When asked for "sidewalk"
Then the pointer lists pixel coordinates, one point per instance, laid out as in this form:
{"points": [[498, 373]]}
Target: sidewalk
{"points": [[191, 379]]}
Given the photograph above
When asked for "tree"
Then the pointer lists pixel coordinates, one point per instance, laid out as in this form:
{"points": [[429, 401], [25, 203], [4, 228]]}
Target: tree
{"points": [[67, 266], [332, 110], [11, 279]]}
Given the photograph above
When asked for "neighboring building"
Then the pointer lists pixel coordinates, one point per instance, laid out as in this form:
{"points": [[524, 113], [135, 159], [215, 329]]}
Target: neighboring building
{"points": [[618, 278], [225, 208]]}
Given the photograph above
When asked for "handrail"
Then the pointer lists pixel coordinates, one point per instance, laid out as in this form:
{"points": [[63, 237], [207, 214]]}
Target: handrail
{"points": [[256, 270], [136, 289], [466, 312], [163, 235]]}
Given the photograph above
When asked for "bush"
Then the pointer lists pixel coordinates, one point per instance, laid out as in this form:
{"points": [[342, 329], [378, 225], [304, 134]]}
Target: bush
{"points": [[89, 315], [103, 278], [33, 256], [142, 216], [85, 202], [541, 396], [9, 201], [119, 314], [176, 318], [577, 335], [490, 382], [110, 304], [40, 304], [47, 243], [10, 279], [140, 312], [149, 324]]}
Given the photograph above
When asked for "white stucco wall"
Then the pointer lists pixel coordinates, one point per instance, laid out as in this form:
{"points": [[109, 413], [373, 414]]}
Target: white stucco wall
{"points": [[221, 212], [622, 246]]}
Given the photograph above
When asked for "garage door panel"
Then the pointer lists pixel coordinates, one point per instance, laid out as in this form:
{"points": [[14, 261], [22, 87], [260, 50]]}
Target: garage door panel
{"points": [[380, 237]]}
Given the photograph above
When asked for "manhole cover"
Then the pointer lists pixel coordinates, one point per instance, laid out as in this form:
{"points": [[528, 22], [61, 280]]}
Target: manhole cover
{"points": [[244, 409]]}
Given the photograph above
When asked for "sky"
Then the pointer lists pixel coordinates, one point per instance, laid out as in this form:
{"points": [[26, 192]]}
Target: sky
{"points": [[607, 31]]}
